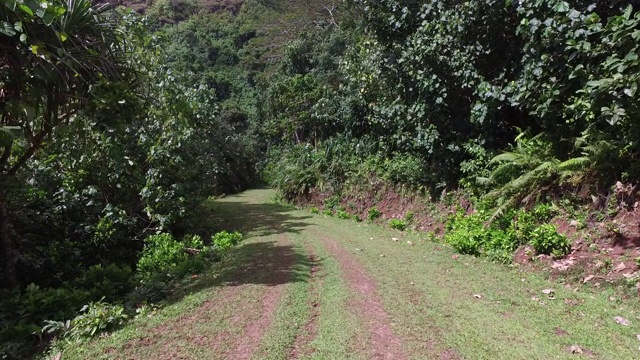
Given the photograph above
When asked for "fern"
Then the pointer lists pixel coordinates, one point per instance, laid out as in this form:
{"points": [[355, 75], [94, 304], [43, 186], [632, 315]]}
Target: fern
{"points": [[531, 170]]}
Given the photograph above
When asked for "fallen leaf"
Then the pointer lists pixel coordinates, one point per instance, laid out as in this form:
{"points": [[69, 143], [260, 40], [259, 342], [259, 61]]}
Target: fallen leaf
{"points": [[358, 249], [620, 267], [638, 337], [370, 238], [381, 255], [575, 349], [535, 298], [547, 291], [455, 257], [587, 279], [622, 321], [409, 243], [394, 239], [477, 296]]}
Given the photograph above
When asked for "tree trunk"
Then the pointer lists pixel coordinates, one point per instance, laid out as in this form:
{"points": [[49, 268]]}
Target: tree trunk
{"points": [[7, 251]]}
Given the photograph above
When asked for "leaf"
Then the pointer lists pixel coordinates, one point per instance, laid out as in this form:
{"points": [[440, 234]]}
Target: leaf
{"points": [[631, 90], [7, 29], [25, 9], [561, 7], [622, 321]]}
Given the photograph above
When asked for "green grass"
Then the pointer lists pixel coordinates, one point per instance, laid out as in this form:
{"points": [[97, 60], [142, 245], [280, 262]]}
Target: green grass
{"points": [[428, 294]]}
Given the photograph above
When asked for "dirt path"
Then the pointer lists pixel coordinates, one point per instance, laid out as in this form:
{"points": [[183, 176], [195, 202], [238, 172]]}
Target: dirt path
{"points": [[305, 286], [381, 342]]}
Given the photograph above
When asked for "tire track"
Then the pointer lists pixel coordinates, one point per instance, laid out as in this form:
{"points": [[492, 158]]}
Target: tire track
{"points": [[308, 332], [382, 342]]}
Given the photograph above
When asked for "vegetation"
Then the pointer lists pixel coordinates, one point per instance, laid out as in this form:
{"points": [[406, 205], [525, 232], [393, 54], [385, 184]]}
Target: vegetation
{"points": [[115, 128]]}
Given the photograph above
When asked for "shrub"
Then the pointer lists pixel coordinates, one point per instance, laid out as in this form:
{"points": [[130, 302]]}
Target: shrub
{"points": [[374, 213], [314, 210], [328, 212], [343, 214], [166, 257], [94, 318], [398, 224], [466, 234], [545, 239], [224, 240]]}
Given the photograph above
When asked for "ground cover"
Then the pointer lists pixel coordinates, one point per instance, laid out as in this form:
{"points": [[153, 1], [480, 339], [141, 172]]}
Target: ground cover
{"points": [[306, 286]]}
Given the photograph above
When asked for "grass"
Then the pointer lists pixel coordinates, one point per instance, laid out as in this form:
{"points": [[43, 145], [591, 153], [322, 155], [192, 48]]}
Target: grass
{"points": [[438, 303]]}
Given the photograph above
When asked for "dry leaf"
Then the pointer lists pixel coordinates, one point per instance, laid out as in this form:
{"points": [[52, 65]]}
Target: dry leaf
{"points": [[622, 321], [620, 267], [477, 296], [575, 349], [409, 243], [587, 279], [394, 239], [547, 291]]}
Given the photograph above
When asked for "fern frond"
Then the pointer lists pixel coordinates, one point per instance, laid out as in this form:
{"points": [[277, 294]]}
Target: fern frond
{"points": [[574, 164]]}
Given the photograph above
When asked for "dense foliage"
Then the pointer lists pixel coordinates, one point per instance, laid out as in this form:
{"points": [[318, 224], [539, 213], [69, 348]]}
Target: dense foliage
{"points": [[429, 92], [114, 128]]}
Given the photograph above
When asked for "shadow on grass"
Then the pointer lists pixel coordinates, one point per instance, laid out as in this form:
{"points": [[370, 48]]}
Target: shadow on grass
{"points": [[257, 219], [263, 263]]}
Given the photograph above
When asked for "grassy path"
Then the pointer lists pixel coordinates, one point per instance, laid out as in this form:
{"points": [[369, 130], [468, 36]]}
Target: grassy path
{"points": [[308, 286]]}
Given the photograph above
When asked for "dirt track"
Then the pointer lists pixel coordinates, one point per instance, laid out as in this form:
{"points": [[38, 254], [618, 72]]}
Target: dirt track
{"points": [[305, 286]]}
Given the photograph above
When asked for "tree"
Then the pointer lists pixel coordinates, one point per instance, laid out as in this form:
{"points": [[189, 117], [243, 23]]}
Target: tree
{"points": [[53, 52]]}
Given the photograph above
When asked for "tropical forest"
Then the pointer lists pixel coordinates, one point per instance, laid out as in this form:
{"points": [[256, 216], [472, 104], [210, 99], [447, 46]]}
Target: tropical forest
{"points": [[319, 179]]}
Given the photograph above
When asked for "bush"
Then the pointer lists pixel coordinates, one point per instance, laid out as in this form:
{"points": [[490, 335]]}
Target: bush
{"points": [[546, 240], [469, 234], [398, 224], [94, 318], [165, 257], [343, 214], [374, 213], [224, 240], [466, 234]]}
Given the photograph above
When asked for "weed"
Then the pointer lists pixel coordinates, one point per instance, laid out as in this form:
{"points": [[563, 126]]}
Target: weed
{"points": [[343, 214], [328, 212], [374, 214], [408, 216], [398, 224], [224, 240], [545, 239], [314, 210]]}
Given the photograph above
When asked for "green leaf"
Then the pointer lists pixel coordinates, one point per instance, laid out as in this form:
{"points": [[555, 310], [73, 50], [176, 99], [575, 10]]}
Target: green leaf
{"points": [[561, 7], [7, 29], [25, 9]]}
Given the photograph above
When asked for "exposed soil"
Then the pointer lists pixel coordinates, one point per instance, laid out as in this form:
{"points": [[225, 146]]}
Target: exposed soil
{"points": [[382, 342]]}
